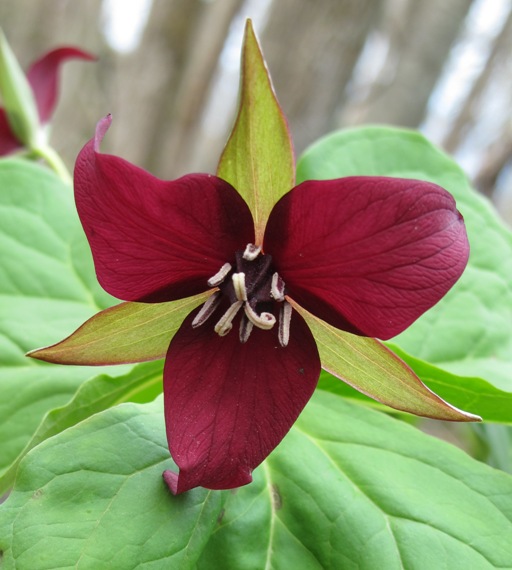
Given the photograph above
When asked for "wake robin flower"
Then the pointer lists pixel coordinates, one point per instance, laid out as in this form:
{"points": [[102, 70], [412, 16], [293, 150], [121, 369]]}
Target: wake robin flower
{"points": [[367, 255], [266, 276]]}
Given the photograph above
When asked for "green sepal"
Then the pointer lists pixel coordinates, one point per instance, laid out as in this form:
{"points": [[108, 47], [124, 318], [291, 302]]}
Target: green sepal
{"points": [[370, 367], [125, 333], [258, 158]]}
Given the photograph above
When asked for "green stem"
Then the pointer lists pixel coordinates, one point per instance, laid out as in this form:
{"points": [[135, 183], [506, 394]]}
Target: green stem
{"points": [[55, 162]]}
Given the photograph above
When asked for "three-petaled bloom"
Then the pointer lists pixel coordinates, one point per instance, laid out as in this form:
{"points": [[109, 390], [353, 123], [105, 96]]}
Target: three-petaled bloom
{"points": [[367, 255], [42, 76]]}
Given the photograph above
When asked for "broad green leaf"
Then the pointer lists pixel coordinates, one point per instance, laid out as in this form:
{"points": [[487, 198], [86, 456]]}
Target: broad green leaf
{"points": [[93, 497], [347, 488], [367, 365], [18, 99], [352, 488], [129, 332], [493, 444], [43, 297], [258, 158], [142, 384], [469, 332]]}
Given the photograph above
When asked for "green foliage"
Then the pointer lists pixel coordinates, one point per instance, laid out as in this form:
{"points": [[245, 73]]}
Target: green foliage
{"points": [[93, 497], [347, 488], [46, 290]]}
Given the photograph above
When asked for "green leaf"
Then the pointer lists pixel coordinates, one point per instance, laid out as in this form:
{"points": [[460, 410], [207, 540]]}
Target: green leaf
{"points": [[129, 332], [367, 365], [44, 296], [18, 99], [352, 488], [347, 488], [469, 332], [93, 497], [142, 384], [258, 158]]}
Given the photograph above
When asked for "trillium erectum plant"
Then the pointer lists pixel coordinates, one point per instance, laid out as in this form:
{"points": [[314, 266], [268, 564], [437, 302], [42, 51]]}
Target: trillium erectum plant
{"points": [[302, 318], [270, 273]]}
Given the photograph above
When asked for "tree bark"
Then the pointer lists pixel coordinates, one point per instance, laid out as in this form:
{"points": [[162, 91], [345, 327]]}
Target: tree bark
{"points": [[174, 146], [420, 35], [468, 113], [311, 47], [140, 87]]}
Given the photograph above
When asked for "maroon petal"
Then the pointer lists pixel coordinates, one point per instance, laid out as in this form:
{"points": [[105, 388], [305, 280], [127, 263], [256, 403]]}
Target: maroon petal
{"points": [[227, 404], [368, 255], [43, 77], [154, 240], [8, 141]]}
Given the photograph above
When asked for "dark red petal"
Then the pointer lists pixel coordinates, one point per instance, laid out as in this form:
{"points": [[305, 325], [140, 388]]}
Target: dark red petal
{"points": [[43, 77], [368, 255], [227, 404], [154, 240], [8, 141]]}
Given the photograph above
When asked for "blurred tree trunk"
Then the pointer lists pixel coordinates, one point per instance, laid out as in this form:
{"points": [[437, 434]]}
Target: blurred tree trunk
{"points": [[33, 27], [171, 150], [420, 34], [141, 86], [468, 113], [311, 47]]}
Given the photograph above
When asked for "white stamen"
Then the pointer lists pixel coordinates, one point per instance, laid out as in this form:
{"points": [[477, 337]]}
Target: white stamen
{"points": [[219, 277], [285, 316], [207, 309], [239, 286], [245, 329], [264, 321], [277, 288], [225, 322], [251, 252]]}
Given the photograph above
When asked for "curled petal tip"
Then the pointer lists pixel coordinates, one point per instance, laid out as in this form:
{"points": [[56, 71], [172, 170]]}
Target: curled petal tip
{"points": [[171, 480], [101, 128], [217, 441], [78, 53]]}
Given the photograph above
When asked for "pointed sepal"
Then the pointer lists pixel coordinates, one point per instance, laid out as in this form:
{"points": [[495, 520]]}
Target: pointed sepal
{"points": [[370, 367], [129, 332], [258, 158]]}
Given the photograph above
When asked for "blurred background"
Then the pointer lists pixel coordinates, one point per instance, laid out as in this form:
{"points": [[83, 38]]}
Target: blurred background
{"points": [[168, 72]]}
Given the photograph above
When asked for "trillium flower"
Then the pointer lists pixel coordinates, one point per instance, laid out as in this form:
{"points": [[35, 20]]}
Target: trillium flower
{"points": [[248, 283], [367, 255], [42, 77]]}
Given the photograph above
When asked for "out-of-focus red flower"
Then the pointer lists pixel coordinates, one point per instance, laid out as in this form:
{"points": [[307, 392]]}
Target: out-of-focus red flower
{"points": [[43, 77]]}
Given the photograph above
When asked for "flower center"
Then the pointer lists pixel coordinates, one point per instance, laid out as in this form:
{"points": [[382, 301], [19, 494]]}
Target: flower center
{"points": [[254, 286]]}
